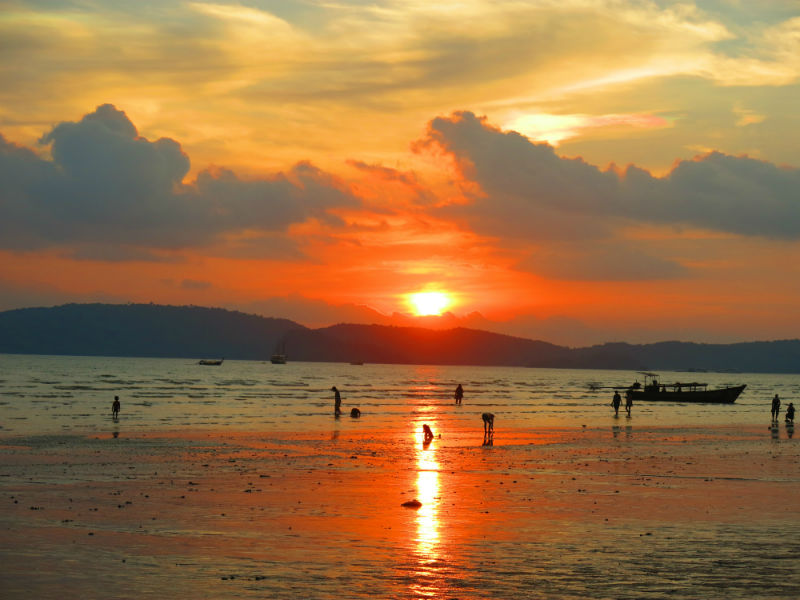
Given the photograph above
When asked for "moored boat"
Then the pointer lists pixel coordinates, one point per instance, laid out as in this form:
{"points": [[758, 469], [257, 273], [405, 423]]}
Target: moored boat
{"points": [[682, 392], [211, 362], [279, 356]]}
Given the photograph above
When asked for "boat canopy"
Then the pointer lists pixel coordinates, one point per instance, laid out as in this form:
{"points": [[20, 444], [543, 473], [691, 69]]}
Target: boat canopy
{"points": [[654, 384]]}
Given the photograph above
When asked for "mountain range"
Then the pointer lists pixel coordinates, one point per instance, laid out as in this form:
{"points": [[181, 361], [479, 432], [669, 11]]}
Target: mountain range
{"points": [[198, 332]]}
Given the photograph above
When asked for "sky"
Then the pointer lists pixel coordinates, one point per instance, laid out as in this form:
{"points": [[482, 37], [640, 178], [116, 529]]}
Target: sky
{"points": [[573, 171]]}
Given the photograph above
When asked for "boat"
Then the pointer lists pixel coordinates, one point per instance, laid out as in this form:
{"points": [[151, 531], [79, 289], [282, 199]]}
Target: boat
{"points": [[653, 389], [209, 362], [279, 356]]}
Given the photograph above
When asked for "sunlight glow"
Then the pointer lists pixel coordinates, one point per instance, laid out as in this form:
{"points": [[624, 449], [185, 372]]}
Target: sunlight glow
{"points": [[429, 303], [428, 494]]}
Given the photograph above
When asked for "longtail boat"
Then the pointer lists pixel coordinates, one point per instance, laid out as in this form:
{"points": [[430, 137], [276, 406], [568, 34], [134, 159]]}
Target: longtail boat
{"points": [[693, 391]]}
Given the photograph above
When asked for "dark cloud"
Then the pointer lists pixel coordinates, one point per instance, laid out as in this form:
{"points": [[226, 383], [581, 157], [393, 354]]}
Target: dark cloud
{"points": [[106, 184], [733, 194], [530, 191], [109, 252], [575, 214]]}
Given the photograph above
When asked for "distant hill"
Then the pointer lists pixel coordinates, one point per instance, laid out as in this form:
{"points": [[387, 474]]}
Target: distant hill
{"points": [[197, 332], [782, 356], [141, 330], [415, 345]]}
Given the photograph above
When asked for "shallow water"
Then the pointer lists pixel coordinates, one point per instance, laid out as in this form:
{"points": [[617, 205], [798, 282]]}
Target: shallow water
{"points": [[41, 394], [238, 482], [650, 513]]}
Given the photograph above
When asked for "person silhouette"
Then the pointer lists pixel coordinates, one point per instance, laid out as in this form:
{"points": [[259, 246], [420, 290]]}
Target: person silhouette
{"points": [[459, 394], [628, 402], [115, 406], [427, 433], [337, 399], [790, 414], [776, 407], [488, 429], [615, 402]]}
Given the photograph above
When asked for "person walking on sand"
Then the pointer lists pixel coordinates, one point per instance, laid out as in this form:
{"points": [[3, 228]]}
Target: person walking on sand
{"points": [[790, 414], [337, 399], [459, 394], [776, 407], [615, 402], [628, 402], [115, 406]]}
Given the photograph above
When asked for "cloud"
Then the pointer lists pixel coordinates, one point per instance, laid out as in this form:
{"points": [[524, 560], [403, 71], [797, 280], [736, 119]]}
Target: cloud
{"points": [[119, 253], [105, 184], [530, 191], [554, 128], [384, 185], [747, 117]]}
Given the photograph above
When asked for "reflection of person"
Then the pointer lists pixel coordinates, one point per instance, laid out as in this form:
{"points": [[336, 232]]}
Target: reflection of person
{"points": [[459, 394], [115, 406], [427, 433], [337, 399], [776, 407], [616, 401], [790, 413], [628, 402]]}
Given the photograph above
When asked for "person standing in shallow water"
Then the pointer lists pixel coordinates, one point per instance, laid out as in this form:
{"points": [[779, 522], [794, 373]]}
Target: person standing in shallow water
{"points": [[776, 407], [615, 402], [459, 394], [628, 402], [115, 406], [337, 400]]}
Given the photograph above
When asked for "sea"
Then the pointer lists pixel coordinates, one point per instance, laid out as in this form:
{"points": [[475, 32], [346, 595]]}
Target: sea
{"points": [[237, 481], [73, 394]]}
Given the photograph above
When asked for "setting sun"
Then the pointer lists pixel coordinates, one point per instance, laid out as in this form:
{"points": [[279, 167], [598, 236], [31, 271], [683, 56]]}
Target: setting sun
{"points": [[429, 303]]}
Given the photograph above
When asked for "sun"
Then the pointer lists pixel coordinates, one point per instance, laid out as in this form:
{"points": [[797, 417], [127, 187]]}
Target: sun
{"points": [[429, 303]]}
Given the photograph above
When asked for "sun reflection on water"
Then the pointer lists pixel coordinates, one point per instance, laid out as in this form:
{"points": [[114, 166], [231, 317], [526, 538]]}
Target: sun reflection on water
{"points": [[427, 520], [428, 495]]}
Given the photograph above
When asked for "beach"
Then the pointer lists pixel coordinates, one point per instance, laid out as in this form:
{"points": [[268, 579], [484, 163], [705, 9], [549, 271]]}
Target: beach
{"points": [[612, 511]]}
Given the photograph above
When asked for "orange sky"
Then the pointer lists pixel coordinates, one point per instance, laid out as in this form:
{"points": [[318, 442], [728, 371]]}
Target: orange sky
{"points": [[324, 162]]}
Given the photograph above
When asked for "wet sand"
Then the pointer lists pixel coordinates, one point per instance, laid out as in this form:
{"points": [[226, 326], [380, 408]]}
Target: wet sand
{"points": [[613, 512]]}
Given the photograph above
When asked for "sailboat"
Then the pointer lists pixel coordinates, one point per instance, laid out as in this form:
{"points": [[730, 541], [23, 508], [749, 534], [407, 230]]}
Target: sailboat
{"points": [[279, 356]]}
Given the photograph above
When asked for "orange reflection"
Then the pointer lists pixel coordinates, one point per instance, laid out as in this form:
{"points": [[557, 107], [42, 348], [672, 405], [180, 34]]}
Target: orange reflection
{"points": [[428, 494], [428, 523]]}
